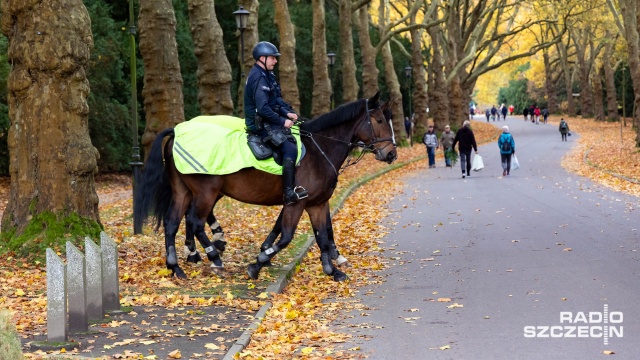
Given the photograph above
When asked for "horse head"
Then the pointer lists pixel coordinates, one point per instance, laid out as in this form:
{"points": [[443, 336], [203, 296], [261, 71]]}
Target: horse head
{"points": [[377, 131]]}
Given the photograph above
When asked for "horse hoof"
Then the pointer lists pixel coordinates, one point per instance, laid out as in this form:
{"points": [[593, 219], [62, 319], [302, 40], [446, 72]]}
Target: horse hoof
{"points": [[195, 258], [253, 270], [339, 276], [220, 245], [177, 272], [217, 263]]}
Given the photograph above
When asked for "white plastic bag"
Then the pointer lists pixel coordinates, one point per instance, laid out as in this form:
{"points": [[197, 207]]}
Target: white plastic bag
{"points": [[477, 163], [515, 164]]}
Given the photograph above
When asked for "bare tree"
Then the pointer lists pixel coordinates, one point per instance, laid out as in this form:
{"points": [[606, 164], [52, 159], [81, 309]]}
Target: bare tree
{"points": [[162, 91], [52, 160], [214, 70]]}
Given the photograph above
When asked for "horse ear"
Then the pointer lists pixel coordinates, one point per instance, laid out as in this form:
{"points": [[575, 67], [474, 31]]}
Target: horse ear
{"points": [[373, 101]]}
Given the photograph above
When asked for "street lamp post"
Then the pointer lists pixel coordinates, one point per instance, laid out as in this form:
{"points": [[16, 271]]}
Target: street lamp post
{"points": [[136, 164], [242, 16], [332, 60], [407, 73]]}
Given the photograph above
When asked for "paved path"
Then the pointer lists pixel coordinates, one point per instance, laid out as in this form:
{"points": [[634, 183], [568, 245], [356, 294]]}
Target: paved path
{"points": [[513, 252]]}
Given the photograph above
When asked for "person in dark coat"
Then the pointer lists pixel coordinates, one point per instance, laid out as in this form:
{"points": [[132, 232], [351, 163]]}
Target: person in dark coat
{"points": [[264, 107], [525, 112], [467, 141]]}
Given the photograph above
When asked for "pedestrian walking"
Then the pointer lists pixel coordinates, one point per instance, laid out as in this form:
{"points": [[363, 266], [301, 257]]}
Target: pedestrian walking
{"points": [[408, 127], [511, 108], [507, 148], [446, 141], [488, 114], [564, 129], [494, 113], [537, 113], [504, 112], [525, 112], [545, 115], [430, 139], [466, 140]]}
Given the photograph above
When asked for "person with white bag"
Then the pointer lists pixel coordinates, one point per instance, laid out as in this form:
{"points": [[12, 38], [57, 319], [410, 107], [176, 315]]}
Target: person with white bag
{"points": [[507, 148], [467, 141]]}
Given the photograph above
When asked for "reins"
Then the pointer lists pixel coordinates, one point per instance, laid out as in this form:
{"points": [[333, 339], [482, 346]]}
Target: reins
{"points": [[351, 145]]}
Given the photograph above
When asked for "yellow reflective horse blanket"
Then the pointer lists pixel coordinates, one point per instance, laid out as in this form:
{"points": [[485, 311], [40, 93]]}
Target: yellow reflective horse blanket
{"points": [[217, 145]]}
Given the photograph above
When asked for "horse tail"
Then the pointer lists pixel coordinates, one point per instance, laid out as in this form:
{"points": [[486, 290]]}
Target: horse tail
{"points": [[153, 185]]}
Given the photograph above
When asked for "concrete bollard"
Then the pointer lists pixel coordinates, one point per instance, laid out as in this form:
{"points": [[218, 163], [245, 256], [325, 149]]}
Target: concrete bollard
{"points": [[56, 298], [76, 290]]}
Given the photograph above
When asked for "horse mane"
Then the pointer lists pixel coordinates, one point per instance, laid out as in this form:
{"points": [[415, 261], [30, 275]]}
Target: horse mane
{"points": [[335, 117]]}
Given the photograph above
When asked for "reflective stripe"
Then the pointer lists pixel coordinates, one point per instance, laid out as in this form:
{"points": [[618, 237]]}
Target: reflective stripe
{"points": [[186, 157]]}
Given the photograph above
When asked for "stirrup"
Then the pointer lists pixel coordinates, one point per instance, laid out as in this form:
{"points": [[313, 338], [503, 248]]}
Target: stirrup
{"points": [[292, 196]]}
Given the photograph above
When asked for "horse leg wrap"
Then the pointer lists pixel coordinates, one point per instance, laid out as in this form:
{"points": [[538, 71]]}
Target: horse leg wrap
{"points": [[193, 256], [216, 231], [327, 266], [220, 245], [341, 260], [267, 254], [172, 257], [214, 257]]}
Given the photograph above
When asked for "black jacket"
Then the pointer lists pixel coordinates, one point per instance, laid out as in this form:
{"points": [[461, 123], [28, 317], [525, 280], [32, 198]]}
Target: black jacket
{"points": [[465, 139], [262, 96]]}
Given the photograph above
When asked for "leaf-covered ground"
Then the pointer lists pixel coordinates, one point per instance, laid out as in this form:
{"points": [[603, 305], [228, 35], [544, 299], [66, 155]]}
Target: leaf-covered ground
{"points": [[297, 325]]}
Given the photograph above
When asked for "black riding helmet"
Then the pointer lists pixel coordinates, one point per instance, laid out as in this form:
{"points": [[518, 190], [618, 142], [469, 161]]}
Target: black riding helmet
{"points": [[264, 48]]}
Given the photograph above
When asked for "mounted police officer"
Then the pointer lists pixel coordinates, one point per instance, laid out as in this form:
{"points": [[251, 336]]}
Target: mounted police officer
{"points": [[270, 117]]}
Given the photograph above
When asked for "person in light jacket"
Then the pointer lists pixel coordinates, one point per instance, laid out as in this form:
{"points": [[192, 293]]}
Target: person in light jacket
{"points": [[430, 139]]}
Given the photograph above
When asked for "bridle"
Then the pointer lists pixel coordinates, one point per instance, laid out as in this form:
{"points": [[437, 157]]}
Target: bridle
{"points": [[352, 145]]}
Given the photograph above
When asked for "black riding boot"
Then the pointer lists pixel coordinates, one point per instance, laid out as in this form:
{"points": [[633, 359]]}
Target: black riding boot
{"points": [[292, 193]]}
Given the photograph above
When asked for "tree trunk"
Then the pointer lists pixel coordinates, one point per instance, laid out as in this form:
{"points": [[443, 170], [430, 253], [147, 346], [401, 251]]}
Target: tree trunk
{"points": [[322, 88], [162, 91], [630, 11], [437, 89], [249, 38], [370, 71], [214, 70], [391, 79], [420, 96], [568, 83], [549, 85], [610, 86], [349, 81], [598, 107], [456, 102], [287, 68], [586, 98], [52, 160]]}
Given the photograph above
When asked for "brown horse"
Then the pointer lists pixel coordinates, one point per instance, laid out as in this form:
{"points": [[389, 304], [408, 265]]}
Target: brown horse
{"points": [[328, 140]]}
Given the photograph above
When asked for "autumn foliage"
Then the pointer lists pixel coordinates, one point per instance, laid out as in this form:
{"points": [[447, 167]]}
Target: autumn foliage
{"points": [[299, 322]]}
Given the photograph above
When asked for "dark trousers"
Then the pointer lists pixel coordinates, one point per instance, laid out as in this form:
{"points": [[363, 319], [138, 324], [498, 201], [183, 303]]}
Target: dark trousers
{"points": [[465, 160], [506, 162], [564, 136]]}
